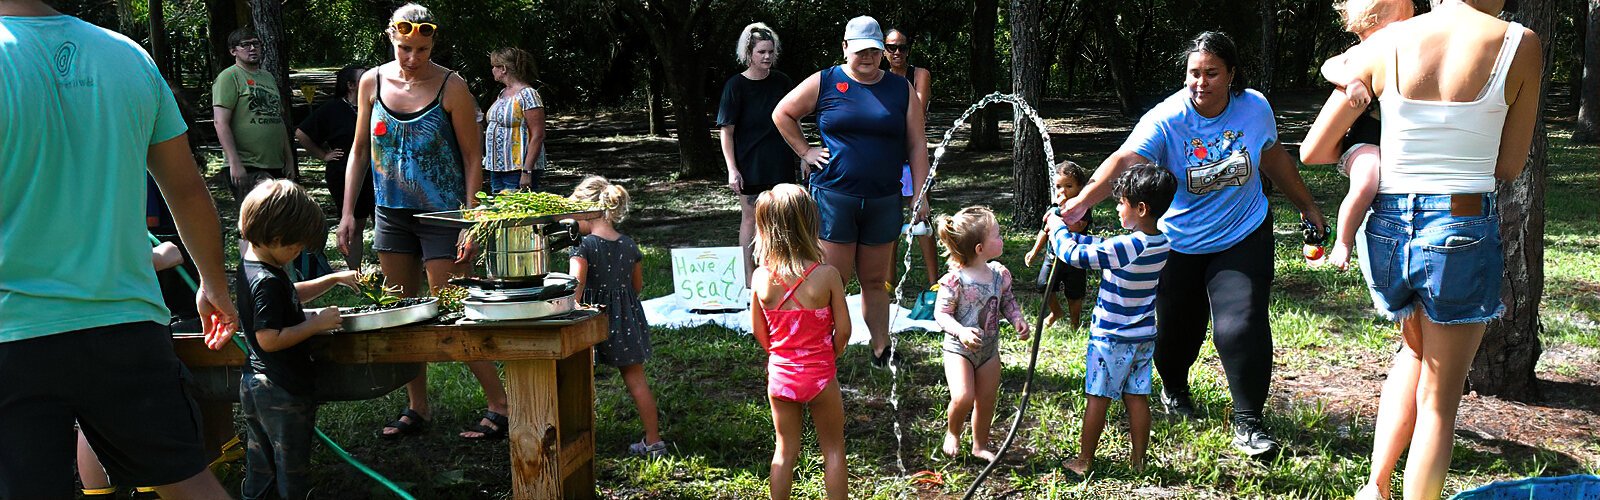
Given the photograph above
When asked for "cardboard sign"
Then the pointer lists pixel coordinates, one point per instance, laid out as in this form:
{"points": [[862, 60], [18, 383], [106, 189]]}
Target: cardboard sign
{"points": [[710, 278]]}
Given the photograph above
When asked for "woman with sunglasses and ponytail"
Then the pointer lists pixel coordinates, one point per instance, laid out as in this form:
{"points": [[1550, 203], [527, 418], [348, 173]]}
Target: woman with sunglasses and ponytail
{"points": [[416, 122]]}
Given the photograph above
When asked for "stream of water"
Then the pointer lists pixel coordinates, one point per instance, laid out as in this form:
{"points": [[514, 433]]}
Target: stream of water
{"points": [[1019, 106]]}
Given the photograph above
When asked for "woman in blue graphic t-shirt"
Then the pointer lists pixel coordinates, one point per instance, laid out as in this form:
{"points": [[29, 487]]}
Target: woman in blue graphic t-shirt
{"points": [[871, 125], [1218, 138]]}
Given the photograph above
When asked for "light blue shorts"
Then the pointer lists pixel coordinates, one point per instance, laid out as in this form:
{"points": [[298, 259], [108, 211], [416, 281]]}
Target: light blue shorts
{"points": [[1116, 366], [1414, 250]]}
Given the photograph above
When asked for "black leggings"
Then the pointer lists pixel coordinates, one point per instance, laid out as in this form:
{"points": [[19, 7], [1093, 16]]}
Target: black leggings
{"points": [[1232, 287]]}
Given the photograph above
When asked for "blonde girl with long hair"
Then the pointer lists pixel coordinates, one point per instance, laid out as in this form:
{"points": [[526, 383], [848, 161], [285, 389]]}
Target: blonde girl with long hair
{"points": [[610, 272], [800, 318]]}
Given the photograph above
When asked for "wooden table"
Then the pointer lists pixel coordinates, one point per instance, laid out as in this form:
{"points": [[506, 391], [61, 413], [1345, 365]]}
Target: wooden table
{"points": [[549, 384]]}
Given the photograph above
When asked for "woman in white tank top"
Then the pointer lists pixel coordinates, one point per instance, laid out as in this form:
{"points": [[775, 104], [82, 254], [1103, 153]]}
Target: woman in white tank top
{"points": [[1459, 90]]}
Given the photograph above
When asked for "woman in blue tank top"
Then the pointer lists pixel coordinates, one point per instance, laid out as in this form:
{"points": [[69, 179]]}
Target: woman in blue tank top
{"points": [[417, 123], [871, 123]]}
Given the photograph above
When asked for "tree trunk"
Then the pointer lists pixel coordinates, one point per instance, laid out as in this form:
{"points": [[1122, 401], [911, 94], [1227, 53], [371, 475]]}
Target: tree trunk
{"points": [[224, 16], [673, 28], [1269, 45], [653, 105], [160, 51], [1588, 129], [1505, 361], [1580, 25], [982, 67], [1028, 180], [268, 18], [1116, 50]]}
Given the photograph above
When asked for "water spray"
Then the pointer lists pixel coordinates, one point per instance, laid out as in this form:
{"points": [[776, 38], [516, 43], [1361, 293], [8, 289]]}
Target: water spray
{"points": [[1021, 107]]}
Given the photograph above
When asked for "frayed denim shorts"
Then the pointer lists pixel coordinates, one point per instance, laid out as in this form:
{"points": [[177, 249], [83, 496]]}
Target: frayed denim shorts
{"points": [[1416, 250]]}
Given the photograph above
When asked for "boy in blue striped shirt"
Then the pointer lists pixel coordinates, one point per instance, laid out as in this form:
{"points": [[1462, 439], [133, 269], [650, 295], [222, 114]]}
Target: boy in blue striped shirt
{"points": [[1122, 338]]}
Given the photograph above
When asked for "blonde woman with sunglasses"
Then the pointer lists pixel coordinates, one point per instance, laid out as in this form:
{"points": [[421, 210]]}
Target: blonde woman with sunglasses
{"points": [[416, 121]]}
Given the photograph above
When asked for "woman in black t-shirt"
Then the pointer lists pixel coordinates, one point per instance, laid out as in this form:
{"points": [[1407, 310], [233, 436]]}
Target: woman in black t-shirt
{"points": [[756, 155], [325, 134]]}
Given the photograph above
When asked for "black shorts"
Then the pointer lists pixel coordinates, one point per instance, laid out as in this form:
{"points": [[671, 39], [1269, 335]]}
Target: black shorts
{"points": [[397, 230], [754, 190], [1071, 282], [252, 177], [123, 385]]}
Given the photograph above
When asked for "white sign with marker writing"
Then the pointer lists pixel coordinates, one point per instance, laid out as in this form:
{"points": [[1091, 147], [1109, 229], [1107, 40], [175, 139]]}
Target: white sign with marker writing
{"points": [[709, 278]]}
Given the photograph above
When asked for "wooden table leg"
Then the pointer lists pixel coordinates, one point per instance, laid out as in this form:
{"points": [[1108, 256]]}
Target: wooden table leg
{"points": [[534, 433], [217, 426], [576, 376]]}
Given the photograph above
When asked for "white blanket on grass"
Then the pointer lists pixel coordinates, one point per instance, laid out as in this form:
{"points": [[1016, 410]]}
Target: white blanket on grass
{"points": [[669, 312]]}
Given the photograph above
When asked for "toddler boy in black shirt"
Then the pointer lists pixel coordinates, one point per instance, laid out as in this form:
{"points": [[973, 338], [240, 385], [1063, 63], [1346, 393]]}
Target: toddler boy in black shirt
{"points": [[276, 393]]}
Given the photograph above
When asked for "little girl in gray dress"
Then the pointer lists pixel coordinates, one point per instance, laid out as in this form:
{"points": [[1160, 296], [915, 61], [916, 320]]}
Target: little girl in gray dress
{"points": [[610, 273]]}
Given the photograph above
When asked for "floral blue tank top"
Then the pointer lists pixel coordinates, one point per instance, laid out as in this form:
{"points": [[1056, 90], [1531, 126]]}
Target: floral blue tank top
{"points": [[416, 162]]}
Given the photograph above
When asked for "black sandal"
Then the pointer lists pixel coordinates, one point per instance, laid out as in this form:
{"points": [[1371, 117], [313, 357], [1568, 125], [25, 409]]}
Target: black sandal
{"points": [[881, 360], [486, 433], [404, 428]]}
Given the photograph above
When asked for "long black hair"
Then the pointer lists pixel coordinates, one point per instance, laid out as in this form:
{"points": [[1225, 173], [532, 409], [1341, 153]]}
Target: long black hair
{"points": [[347, 78], [1218, 44]]}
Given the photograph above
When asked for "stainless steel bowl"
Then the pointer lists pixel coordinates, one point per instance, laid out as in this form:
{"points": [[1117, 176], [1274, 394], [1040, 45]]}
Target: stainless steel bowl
{"points": [[377, 320], [478, 310]]}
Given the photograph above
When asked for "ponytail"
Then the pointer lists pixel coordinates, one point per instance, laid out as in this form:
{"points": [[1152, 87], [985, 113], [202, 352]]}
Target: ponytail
{"points": [[961, 233], [597, 189]]}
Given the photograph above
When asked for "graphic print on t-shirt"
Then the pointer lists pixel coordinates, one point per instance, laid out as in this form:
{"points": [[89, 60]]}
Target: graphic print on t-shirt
{"points": [[1223, 162], [264, 103]]}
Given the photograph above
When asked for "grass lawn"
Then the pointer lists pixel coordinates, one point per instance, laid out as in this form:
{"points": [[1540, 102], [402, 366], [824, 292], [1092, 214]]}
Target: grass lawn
{"points": [[710, 383]]}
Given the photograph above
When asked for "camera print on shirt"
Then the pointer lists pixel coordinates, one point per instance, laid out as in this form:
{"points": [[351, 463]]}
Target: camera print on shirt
{"points": [[1223, 162]]}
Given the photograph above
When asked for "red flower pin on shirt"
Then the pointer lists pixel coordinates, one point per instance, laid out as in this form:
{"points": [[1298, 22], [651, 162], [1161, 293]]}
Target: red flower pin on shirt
{"points": [[251, 83], [842, 86], [380, 128]]}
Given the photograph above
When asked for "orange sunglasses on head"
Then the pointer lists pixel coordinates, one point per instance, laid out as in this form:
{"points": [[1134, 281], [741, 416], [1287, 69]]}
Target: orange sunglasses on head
{"points": [[408, 27]]}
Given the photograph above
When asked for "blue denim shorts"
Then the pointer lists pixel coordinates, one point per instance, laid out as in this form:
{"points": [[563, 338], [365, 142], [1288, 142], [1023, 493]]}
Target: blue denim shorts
{"points": [[1413, 250], [853, 219], [1116, 366]]}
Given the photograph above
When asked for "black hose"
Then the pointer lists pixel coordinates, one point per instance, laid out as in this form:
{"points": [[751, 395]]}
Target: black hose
{"points": [[1027, 384]]}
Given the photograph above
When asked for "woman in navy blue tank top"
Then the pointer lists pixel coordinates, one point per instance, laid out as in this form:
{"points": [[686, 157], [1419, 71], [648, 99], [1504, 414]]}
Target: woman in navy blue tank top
{"points": [[871, 123]]}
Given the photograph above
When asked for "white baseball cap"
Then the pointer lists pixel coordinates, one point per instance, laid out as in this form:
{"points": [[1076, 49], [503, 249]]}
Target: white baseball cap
{"points": [[862, 33]]}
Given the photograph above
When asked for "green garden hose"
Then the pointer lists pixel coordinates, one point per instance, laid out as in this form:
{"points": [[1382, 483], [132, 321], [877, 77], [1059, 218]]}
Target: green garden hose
{"points": [[337, 450]]}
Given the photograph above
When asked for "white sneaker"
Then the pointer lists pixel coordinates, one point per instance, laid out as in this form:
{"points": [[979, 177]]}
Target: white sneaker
{"points": [[654, 450]]}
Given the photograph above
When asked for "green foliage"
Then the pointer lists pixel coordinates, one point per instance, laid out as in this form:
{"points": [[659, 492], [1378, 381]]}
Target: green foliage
{"points": [[370, 286]]}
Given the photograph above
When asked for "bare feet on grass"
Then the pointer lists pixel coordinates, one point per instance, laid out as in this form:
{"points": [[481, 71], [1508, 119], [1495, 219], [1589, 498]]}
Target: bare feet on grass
{"points": [[1050, 320], [1081, 465], [983, 452], [952, 444]]}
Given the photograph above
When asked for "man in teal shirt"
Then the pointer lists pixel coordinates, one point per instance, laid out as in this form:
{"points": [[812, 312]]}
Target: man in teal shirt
{"points": [[83, 115]]}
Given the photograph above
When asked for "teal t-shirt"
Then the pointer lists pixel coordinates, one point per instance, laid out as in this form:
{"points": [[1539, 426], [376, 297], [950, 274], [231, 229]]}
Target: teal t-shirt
{"points": [[79, 110]]}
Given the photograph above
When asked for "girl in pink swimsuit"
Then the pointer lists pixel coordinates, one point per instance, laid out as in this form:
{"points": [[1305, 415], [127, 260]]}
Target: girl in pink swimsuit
{"points": [[799, 316]]}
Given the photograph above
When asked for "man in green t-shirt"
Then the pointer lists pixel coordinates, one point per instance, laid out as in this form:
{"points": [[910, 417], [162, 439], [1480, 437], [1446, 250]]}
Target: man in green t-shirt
{"points": [[249, 117], [248, 114]]}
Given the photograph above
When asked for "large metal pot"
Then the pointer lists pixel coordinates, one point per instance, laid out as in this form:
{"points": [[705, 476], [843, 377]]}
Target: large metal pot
{"points": [[523, 252]]}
